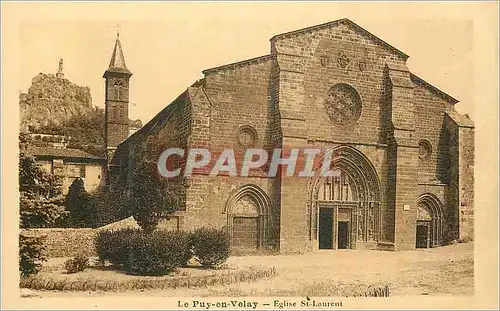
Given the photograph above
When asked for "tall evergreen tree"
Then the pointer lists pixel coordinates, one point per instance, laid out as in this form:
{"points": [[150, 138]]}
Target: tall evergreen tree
{"points": [[41, 199], [81, 210], [150, 201]]}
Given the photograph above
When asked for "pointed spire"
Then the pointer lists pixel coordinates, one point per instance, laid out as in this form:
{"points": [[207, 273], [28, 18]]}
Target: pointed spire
{"points": [[117, 59], [117, 63]]}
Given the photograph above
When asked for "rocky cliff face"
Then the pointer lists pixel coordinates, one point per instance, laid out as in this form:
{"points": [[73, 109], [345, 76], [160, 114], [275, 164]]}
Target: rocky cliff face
{"points": [[53, 100]]}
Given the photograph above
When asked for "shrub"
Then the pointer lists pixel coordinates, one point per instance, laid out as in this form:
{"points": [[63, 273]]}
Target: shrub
{"points": [[76, 264], [114, 246], [158, 253], [184, 244], [147, 258], [30, 254], [210, 246], [138, 252]]}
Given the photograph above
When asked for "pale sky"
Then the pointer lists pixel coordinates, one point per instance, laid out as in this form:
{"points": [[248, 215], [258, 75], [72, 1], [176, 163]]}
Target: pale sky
{"points": [[167, 53]]}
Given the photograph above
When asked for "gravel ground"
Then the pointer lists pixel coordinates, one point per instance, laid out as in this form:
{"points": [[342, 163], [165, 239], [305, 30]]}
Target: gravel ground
{"points": [[447, 270]]}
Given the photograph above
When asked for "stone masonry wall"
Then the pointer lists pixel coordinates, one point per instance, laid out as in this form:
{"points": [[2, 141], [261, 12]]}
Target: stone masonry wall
{"points": [[310, 63], [207, 197], [452, 193], [172, 131], [404, 164], [240, 96], [65, 242], [117, 107], [282, 97], [235, 96], [459, 209], [429, 125], [466, 182]]}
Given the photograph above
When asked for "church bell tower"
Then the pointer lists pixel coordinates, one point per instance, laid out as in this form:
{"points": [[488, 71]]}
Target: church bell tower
{"points": [[117, 100]]}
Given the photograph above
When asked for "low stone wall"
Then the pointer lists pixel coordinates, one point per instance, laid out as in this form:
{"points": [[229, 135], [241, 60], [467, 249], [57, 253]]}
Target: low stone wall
{"points": [[65, 242]]}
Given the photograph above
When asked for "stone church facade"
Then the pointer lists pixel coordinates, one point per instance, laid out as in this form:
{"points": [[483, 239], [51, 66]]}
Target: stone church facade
{"points": [[405, 156]]}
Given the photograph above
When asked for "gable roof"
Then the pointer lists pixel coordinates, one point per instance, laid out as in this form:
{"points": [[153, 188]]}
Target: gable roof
{"points": [[240, 63], [460, 119], [340, 22], [55, 152], [186, 97], [157, 119]]}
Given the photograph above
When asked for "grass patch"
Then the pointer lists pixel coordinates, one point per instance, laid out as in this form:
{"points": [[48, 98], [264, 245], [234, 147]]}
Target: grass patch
{"points": [[327, 288], [95, 279], [321, 289]]}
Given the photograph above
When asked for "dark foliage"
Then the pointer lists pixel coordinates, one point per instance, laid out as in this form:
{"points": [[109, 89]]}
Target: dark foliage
{"points": [[30, 254], [109, 205], [76, 264], [210, 246], [114, 246], [41, 200], [41, 212], [138, 252], [86, 131], [82, 212], [33, 178], [149, 199]]}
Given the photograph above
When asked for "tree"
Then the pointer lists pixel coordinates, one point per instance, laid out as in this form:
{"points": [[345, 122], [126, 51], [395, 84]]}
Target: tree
{"points": [[86, 131], [108, 205], [41, 199], [149, 199], [31, 255], [41, 212], [82, 212]]}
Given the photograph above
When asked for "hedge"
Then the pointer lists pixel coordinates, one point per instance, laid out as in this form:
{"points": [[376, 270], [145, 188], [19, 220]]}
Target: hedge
{"points": [[162, 251]]}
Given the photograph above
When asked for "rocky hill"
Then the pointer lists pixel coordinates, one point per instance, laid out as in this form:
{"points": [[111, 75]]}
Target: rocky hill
{"points": [[52, 99]]}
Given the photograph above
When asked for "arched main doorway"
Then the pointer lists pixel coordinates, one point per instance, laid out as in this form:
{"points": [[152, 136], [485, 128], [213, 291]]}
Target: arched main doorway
{"points": [[344, 209], [429, 221], [247, 212]]}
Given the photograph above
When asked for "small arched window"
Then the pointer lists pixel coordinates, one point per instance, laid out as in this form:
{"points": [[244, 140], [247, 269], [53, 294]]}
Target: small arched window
{"points": [[118, 90]]}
